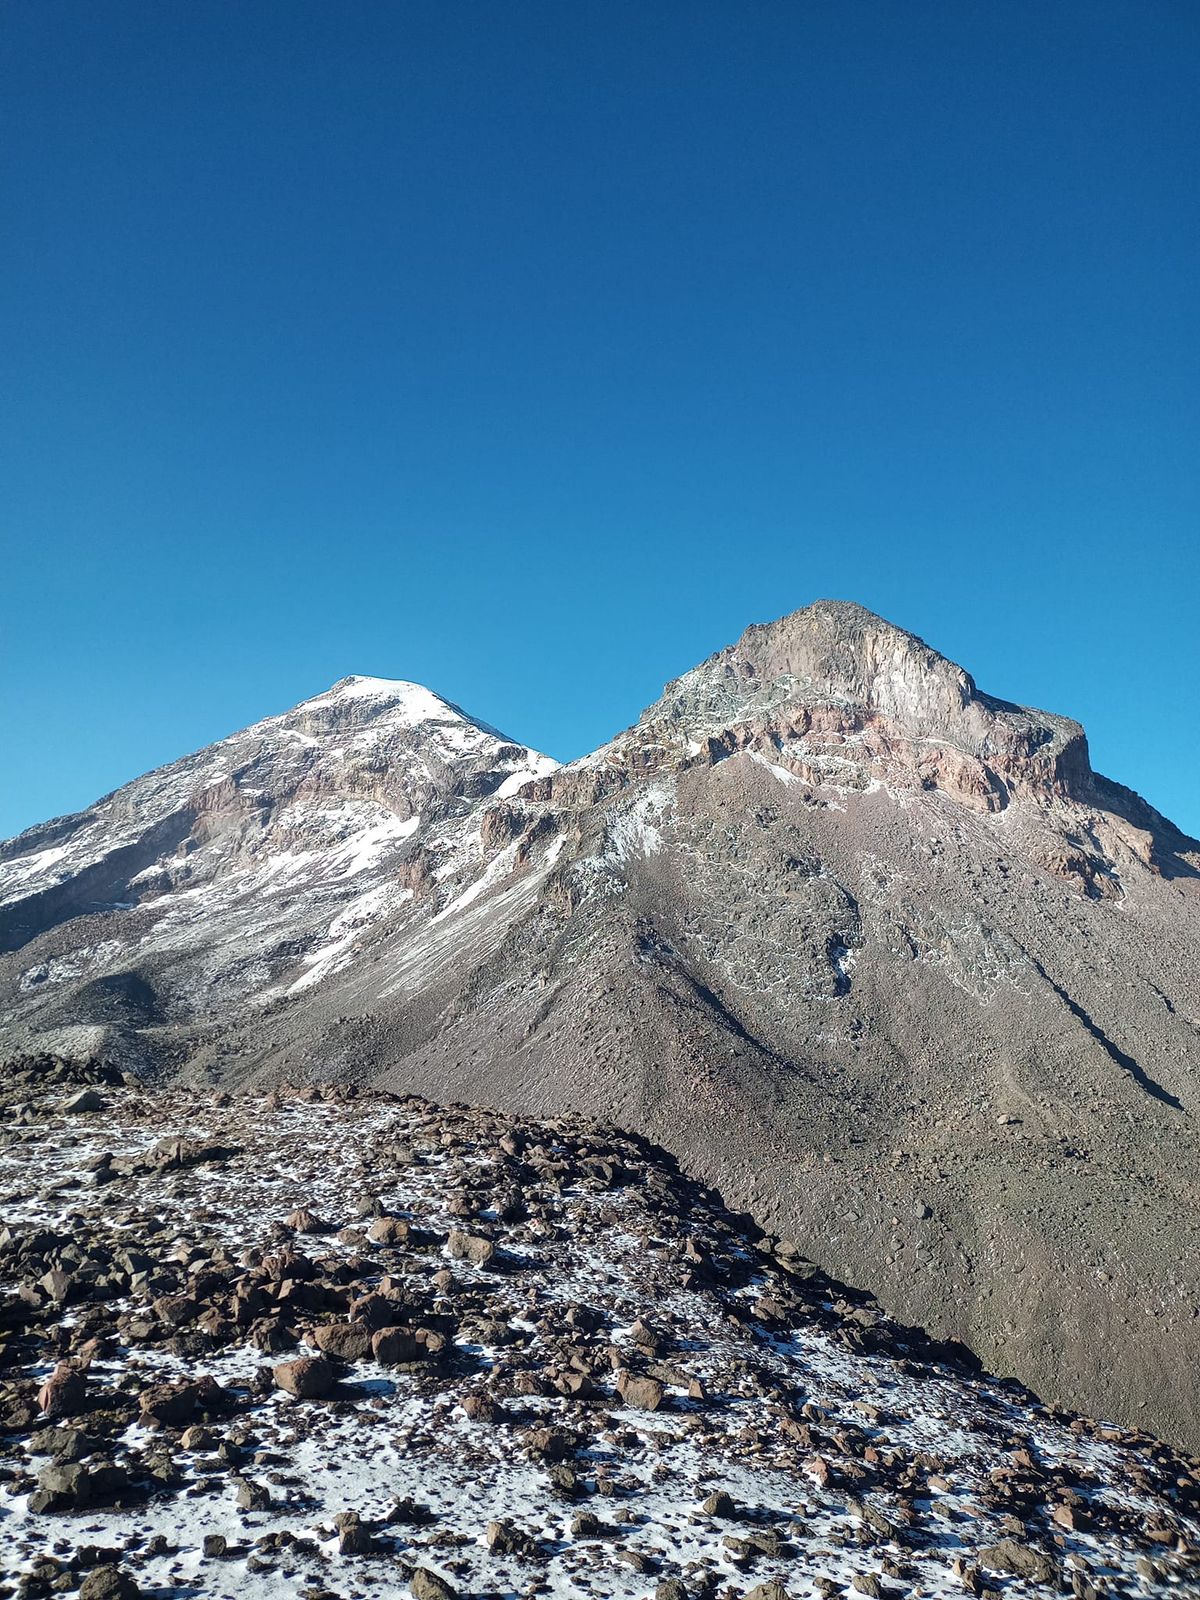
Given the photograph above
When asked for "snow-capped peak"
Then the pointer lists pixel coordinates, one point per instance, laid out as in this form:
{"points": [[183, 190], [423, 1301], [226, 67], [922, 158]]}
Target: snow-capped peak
{"points": [[394, 690], [413, 701], [400, 703]]}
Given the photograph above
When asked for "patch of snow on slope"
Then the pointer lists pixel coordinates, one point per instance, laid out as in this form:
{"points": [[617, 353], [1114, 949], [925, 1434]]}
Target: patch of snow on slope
{"points": [[374, 841], [540, 767], [785, 777], [635, 830], [15, 874]]}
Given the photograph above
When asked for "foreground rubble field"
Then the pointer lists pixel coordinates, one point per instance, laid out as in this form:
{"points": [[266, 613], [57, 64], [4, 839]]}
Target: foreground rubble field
{"points": [[337, 1345]]}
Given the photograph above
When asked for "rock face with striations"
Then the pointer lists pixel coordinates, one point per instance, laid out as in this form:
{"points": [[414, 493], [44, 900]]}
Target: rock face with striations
{"points": [[873, 952]]}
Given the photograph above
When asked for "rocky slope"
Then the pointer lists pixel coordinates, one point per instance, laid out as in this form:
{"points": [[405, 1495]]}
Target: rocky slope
{"points": [[181, 897], [329, 1344], [876, 954]]}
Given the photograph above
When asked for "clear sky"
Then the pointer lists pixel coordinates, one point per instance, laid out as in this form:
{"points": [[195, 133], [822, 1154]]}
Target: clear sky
{"points": [[532, 350]]}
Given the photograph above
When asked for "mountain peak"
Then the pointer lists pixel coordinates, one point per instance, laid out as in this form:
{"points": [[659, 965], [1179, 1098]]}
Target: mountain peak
{"points": [[835, 672], [412, 701]]}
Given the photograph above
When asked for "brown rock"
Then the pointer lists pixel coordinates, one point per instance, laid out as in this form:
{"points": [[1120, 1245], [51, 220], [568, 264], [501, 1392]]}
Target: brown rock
{"points": [[309, 1377], [63, 1392], [174, 1404], [426, 1585], [303, 1220], [108, 1583], [348, 1341], [388, 1230], [719, 1504], [470, 1247], [1020, 1560], [397, 1347], [480, 1408], [644, 1394]]}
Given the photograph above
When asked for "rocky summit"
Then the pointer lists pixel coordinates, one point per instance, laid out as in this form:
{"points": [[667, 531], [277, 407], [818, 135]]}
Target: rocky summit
{"points": [[329, 1343], [873, 953]]}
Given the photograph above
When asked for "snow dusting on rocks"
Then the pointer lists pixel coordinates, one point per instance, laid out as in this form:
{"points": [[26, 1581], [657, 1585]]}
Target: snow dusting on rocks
{"points": [[345, 1346]]}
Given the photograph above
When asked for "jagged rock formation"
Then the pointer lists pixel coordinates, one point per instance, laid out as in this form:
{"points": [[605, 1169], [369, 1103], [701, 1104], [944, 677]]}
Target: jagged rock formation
{"points": [[878, 955], [332, 1342]]}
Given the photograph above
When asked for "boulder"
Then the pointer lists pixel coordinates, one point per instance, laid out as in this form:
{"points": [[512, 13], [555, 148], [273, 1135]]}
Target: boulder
{"points": [[108, 1583], [348, 1341], [470, 1247], [388, 1230], [308, 1377], [86, 1100], [644, 1394], [64, 1391]]}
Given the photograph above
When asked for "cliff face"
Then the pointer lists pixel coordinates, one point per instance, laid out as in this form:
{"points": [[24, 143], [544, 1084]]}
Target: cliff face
{"points": [[875, 953]]}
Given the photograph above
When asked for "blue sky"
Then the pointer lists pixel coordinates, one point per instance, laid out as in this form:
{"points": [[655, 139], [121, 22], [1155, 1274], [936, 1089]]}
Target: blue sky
{"points": [[531, 351]]}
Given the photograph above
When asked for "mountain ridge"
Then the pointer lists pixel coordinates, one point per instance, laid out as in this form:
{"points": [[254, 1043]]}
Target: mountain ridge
{"points": [[855, 941]]}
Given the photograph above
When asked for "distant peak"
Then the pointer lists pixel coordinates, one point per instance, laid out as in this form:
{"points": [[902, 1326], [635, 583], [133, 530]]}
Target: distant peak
{"points": [[357, 701], [357, 687], [412, 701]]}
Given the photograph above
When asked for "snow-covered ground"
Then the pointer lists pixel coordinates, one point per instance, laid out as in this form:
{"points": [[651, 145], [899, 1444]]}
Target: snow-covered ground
{"points": [[853, 1462]]}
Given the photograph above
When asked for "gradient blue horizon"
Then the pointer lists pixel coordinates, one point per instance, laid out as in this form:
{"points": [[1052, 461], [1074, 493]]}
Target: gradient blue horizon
{"points": [[531, 352]]}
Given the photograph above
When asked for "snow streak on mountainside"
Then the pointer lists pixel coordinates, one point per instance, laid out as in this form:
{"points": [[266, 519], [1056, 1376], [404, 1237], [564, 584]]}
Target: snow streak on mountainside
{"points": [[862, 945]]}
